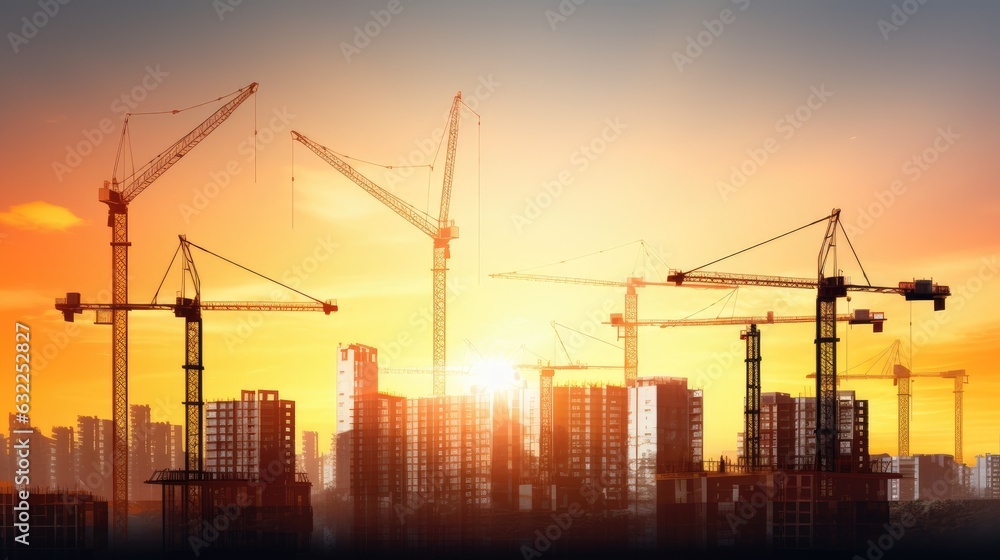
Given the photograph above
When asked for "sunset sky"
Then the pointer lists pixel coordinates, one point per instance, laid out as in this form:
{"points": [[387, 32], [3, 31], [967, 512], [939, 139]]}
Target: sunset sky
{"points": [[698, 127]]}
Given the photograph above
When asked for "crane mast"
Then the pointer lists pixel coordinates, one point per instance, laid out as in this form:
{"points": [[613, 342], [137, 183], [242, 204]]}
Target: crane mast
{"points": [[901, 376], [751, 336], [117, 197], [189, 308], [829, 289], [441, 230]]}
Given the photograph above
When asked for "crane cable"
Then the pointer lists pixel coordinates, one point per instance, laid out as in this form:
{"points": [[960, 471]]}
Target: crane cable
{"points": [[729, 294], [175, 111], [824, 218], [579, 257], [238, 265], [121, 141], [589, 336], [853, 252], [156, 294]]}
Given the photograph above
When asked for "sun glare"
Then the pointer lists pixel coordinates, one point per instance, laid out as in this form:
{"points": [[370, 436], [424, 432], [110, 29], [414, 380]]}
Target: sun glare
{"points": [[494, 375]]}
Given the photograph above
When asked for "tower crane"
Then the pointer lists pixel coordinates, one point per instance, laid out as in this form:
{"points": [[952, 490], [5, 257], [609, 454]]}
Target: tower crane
{"points": [[900, 376], [117, 196], [189, 309], [441, 230], [829, 288], [630, 284], [546, 373], [751, 406]]}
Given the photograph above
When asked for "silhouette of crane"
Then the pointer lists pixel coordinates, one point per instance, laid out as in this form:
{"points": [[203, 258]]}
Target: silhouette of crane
{"points": [[441, 230], [829, 288], [189, 309], [751, 404], [117, 196], [901, 376]]}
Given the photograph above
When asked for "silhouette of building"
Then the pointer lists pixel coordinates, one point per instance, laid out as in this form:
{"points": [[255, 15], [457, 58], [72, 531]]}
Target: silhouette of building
{"points": [[357, 375], [589, 446], [985, 480], [249, 480], [42, 450], [311, 460], [377, 474], [777, 431], [924, 477], [448, 468], [63, 473], [153, 446], [330, 465], [665, 435], [251, 437], [5, 472], [786, 504], [93, 455], [787, 438], [665, 431], [852, 432], [714, 512], [66, 524], [515, 478]]}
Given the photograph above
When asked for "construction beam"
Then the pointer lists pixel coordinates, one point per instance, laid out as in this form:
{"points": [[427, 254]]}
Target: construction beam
{"points": [[751, 405]]}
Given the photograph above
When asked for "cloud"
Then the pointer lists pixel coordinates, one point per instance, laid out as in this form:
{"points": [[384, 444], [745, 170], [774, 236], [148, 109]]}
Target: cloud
{"points": [[39, 215], [23, 299]]}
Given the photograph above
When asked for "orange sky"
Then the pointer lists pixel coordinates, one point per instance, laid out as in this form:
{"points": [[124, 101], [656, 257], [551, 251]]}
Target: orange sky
{"points": [[606, 77]]}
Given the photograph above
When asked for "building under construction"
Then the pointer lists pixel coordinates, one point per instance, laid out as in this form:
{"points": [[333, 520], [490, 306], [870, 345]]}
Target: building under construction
{"points": [[153, 446], [249, 497], [788, 432], [515, 457], [786, 503], [62, 523], [589, 446], [714, 511]]}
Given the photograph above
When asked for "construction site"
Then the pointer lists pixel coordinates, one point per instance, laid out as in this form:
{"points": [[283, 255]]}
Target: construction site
{"points": [[475, 471], [812, 377]]}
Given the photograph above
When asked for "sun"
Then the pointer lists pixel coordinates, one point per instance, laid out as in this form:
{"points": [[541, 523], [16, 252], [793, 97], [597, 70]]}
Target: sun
{"points": [[493, 374]]}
